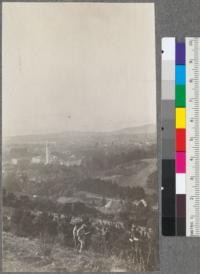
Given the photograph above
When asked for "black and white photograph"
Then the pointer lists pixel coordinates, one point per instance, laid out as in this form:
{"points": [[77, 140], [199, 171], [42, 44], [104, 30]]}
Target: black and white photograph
{"points": [[79, 137]]}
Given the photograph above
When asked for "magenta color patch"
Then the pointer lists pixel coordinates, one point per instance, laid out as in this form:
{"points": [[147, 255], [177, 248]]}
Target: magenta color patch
{"points": [[180, 162]]}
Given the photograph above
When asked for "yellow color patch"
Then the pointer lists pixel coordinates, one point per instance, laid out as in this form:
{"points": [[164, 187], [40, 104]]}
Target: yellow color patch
{"points": [[180, 118]]}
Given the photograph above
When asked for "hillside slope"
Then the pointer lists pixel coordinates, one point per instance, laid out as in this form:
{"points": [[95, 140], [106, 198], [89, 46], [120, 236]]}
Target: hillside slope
{"points": [[23, 255], [132, 174]]}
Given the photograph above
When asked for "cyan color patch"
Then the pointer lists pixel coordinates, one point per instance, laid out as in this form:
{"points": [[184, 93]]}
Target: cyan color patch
{"points": [[180, 74]]}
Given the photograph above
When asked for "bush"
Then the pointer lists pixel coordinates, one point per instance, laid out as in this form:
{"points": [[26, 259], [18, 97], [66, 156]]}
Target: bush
{"points": [[46, 245]]}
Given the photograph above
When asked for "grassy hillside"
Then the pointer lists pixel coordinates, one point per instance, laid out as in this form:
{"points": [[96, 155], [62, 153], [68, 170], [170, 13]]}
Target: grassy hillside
{"points": [[132, 174], [24, 255]]}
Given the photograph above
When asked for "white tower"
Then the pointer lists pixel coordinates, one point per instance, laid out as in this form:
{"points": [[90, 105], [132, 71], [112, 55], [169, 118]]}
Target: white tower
{"points": [[47, 154]]}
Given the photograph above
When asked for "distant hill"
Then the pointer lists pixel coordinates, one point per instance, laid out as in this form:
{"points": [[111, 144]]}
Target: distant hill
{"points": [[146, 130]]}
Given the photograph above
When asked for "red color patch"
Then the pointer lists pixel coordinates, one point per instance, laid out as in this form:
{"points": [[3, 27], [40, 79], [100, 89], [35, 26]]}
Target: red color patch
{"points": [[180, 139]]}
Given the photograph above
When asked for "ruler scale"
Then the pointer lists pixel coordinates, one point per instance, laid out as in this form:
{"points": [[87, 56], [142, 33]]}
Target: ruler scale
{"points": [[193, 137]]}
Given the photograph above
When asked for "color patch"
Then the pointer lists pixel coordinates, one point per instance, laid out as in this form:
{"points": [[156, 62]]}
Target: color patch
{"points": [[168, 109], [180, 96], [180, 183], [181, 226], [180, 53], [168, 88], [168, 47], [181, 205], [180, 139], [168, 149], [168, 71], [180, 162], [180, 74], [180, 118]]}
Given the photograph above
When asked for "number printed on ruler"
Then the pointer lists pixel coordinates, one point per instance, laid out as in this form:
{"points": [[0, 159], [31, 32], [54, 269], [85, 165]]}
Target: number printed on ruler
{"points": [[192, 137]]}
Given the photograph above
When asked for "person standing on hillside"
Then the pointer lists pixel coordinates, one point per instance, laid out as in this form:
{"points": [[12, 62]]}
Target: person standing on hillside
{"points": [[75, 236], [81, 234]]}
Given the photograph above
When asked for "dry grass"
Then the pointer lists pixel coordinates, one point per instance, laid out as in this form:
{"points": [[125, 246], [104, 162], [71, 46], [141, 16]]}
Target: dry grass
{"points": [[25, 255]]}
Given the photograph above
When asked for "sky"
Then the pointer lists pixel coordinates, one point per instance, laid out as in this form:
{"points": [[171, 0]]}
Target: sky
{"points": [[77, 66]]}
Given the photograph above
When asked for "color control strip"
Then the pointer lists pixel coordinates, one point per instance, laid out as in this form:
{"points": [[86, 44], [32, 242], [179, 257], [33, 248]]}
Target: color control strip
{"points": [[168, 136], [180, 114], [180, 99]]}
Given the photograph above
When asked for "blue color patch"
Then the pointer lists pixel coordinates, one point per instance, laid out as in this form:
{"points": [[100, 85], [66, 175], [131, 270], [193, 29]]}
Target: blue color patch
{"points": [[180, 74]]}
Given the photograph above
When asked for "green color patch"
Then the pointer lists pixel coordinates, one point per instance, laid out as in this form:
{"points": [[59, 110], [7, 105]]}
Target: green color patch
{"points": [[180, 96]]}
